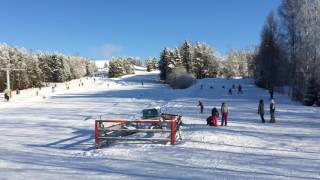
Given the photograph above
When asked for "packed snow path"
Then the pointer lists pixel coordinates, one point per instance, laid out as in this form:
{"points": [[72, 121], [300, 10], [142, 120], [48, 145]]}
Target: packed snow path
{"points": [[52, 137]]}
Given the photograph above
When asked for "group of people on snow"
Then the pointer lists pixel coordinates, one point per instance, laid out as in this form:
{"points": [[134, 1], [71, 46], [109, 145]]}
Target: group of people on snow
{"points": [[213, 119], [234, 87], [272, 111]]}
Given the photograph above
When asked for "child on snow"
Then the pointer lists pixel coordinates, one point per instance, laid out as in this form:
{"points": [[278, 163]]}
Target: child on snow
{"points": [[201, 106], [6, 94], [272, 111], [261, 110], [214, 117], [224, 112]]}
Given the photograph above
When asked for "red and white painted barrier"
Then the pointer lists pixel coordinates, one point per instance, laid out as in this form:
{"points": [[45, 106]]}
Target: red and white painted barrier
{"points": [[103, 129]]}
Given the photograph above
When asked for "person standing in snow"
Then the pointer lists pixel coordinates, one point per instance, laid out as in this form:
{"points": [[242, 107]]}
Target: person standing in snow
{"points": [[201, 106], [230, 91], [224, 112], [271, 92], [261, 110], [214, 116], [272, 111], [240, 89], [6, 94]]}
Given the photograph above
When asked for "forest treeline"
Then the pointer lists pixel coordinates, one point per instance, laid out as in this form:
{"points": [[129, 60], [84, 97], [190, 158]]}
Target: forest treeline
{"points": [[38, 68], [202, 61], [289, 52]]}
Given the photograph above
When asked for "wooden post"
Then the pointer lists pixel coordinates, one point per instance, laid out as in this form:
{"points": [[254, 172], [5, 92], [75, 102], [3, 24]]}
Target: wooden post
{"points": [[173, 132], [97, 124]]}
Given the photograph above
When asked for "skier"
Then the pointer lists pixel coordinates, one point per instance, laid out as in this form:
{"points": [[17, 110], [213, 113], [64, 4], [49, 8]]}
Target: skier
{"points": [[230, 91], [272, 111], [201, 86], [214, 116], [271, 92], [240, 89], [6, 94], [17, 91], [224, 112], [201, 106], [141, 83], [261, 110]]}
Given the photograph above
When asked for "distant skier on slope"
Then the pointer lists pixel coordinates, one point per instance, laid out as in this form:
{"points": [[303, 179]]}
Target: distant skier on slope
{"points": [[201, 106], [261, 110], [271, 92], [240, 89], [224, 112], [272, 111]]}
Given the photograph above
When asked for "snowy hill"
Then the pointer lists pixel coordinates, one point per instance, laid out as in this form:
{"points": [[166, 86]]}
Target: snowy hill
{"points": [[52, 138]]}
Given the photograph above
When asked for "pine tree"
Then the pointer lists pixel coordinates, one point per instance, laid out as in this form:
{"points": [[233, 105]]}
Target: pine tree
{"points": [[163, 63], [186, 55], [311, 95], [268, 56]]}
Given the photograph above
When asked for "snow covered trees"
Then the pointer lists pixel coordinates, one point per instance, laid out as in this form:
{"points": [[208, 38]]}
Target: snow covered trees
{"points": [[291, 55], [204, 61], [199, 60], [120, 66], [186, 56], [40, 67], [152, 64], [163, 63], [268, 56]]}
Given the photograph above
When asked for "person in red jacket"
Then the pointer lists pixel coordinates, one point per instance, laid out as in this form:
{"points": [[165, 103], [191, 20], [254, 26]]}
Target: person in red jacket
{"points": [[201, 106], [214, 115]]}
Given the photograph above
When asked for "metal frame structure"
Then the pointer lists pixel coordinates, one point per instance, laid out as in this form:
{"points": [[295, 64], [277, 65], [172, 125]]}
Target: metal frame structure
{"points": [[105, 128]]}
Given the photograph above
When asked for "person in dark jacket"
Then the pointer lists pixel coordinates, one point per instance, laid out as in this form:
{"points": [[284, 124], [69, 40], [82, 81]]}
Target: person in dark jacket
{"points": [[272, 111], [6, 95], [271, 92], [261, 110], [224, 112], [240, 89], [214, 115], [201, 106]]}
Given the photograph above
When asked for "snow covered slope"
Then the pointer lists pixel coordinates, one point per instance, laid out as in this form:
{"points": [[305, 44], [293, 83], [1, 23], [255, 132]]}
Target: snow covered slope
{"points": [[52, 138]]}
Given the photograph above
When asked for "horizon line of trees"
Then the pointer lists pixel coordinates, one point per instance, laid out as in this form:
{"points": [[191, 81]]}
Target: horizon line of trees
{"points": [[40, 67], [120, 66], [289, 51], [202, 61]]}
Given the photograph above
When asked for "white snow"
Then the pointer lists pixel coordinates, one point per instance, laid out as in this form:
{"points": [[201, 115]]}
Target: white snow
{"points": [[100, 63], [52, 137]]}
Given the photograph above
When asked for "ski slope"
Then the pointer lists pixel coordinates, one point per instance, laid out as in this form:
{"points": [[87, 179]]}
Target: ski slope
{"points": [[51, 137]]}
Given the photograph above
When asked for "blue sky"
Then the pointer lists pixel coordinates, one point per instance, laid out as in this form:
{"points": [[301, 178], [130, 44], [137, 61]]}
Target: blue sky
{"points": [[101, 28]]}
